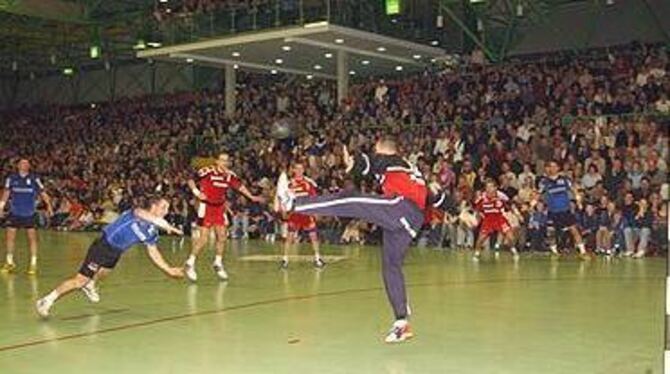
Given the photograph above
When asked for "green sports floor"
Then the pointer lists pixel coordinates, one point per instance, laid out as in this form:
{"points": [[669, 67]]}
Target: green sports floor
{"points": [[541, 315]]}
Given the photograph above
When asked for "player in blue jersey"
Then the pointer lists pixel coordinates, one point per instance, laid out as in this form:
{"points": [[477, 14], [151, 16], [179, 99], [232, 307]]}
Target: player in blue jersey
{"points": [[557, 192], [137, 226], [22, 190]]}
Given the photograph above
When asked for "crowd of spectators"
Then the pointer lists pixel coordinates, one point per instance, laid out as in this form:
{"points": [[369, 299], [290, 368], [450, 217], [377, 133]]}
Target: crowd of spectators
{"points": [[603, 116]]}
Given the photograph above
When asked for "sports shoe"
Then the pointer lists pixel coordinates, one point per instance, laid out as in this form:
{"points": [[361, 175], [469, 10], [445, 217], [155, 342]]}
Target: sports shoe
{"points": [[284, 194], [475, 256], [91, 292], [42, 307], [400, 332], [8, 268], [283, 264], [639, 254], [32, 269], [220, 272], [554, 250], [515, 253], [319, 263], [189, 271]]}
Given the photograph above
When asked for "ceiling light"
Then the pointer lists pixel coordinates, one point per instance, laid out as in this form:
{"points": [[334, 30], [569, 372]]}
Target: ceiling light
{"points": [[417, 57], [339, 41], [279, 61], [381, 49], [317, 67], [435, 42], [328, 55], [433, 60], [286, 48], [163, 1], [310, 76], [365, 62], [351, 72], [398, 68], [236, 54], [236, 66], [189, 60], [273, 71]]}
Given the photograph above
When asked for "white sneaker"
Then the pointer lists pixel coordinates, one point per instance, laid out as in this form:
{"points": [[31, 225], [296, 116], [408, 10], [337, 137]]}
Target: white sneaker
{"points": [[91, 292], [400, 332], [475, 256], [639, 254], [554, 250], [42, 306], [190, 273], [515, 253], [284, 194], [220, 272]]}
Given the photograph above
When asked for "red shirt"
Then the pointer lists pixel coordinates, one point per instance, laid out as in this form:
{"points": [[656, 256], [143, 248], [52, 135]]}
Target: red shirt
{"points": [[492, 206], [214, 184], [303, 187]]}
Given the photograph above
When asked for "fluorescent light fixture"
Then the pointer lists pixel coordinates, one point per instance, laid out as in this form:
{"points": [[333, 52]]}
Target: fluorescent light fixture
{"points": [[273, 71], [286, 48], [351, 72], [236, 54], [68, 71], [398, 68], [339, 41], [189, 60], [417, 57], [318, 67], [381, 49], [365, 62], [328, 55], [310, 76], [236, 66], [279, 61], [316, 24], [435, 42]]}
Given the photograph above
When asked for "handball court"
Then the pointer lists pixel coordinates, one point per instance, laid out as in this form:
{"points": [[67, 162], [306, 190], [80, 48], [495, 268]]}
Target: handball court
{"points": [[539, 315]]}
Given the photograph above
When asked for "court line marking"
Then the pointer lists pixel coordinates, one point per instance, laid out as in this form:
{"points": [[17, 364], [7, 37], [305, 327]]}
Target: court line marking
{"points": [[179, 317]]}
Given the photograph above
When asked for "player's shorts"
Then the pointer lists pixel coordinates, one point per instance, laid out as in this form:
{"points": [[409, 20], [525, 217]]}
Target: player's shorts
{"points": [[100, 255], [212, 215], [561, 220], [301, 223], [20, 222], [494, 223]]}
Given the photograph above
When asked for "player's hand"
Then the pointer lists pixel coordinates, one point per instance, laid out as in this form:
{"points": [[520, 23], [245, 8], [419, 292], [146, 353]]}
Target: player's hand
{"points": [[176, 272], [348, 160], [176, 231]]}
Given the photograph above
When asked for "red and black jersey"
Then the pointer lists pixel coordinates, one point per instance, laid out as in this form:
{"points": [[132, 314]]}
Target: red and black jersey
{"points": [[214, 184], [303, 186], [490, 206], [396, 176]]}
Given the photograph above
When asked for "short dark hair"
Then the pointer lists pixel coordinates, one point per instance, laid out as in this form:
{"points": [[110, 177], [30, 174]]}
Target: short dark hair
{"points": [[151, 200]]}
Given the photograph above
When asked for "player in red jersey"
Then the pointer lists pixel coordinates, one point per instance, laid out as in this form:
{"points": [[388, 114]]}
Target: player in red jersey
{"points": [[491, 205], [213, 184], [300, 185]]}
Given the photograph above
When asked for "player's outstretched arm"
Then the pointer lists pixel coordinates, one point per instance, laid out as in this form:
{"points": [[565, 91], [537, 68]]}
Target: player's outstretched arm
{"points": [[159, 261], [157, 221], [256, 199]]}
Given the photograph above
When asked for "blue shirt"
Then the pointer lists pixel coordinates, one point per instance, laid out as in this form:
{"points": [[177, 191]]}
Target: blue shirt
{"points": [[128, 230], [556, 193], [23, 193]]}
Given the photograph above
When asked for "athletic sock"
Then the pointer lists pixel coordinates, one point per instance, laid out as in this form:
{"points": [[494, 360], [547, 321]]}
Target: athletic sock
{"points": [[400, 322], [285, 258], [51, 297], [581, 247], [90, 284], [33, 260], [218, 260], [190, 261], [10, 258]]}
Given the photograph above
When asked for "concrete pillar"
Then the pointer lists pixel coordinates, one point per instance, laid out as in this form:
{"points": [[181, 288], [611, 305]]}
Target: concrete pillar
{"points": [[229, 85], [342, 75]]}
